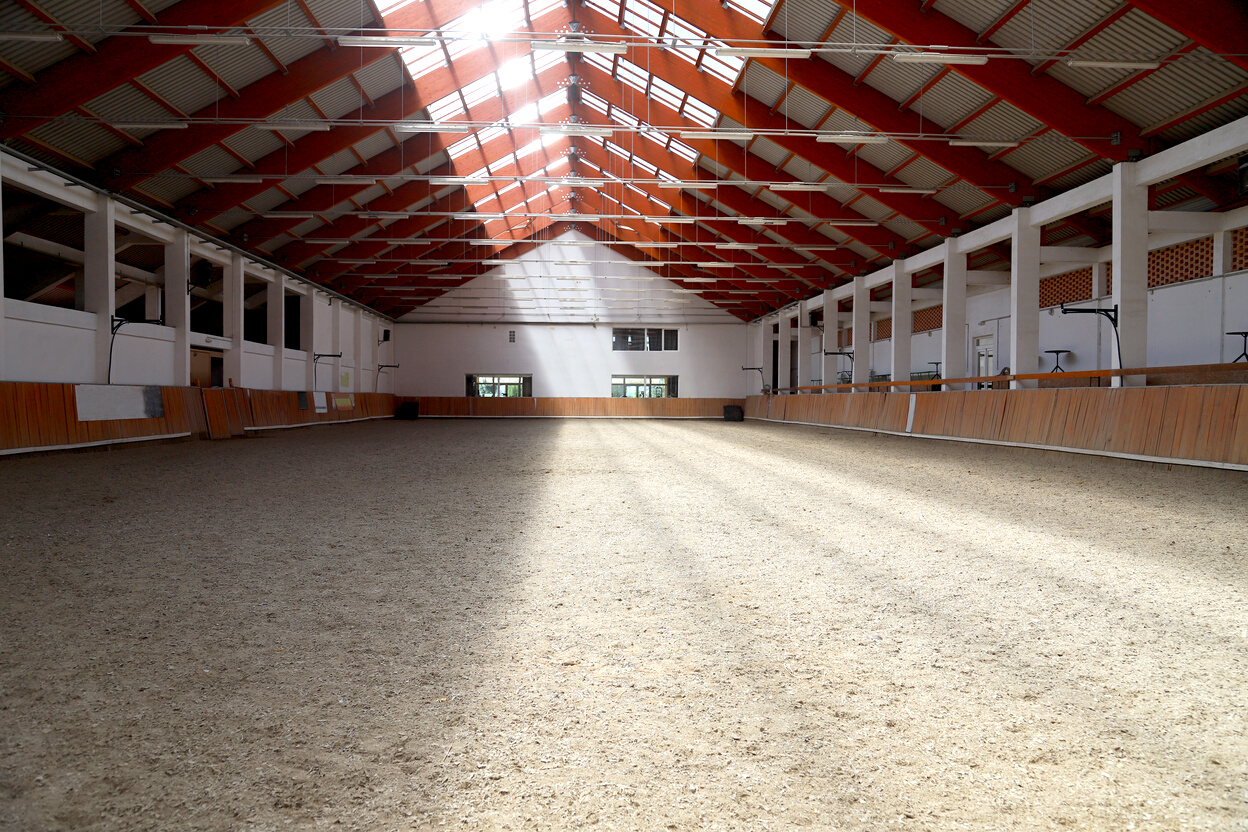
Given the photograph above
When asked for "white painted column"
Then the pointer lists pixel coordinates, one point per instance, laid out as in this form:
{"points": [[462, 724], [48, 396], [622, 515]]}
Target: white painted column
{"points": [[804, 376], [151, 303], [831, 338], [335, 344], [1223, 252], [785, 364], [232, 320], [862, 331], [759, 353], [99, 278], [307, 338], [178, 304], [3, 367], [361, 350], [1100, 280], [1130, 260], [903, 325], [953, 346], [1024, 298], [275, 307]]}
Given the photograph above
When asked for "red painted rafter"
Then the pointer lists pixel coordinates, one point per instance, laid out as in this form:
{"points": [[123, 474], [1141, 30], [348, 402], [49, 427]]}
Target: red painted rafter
{"points": [[1004, 18], [1111, 17], [81, 78], [1221, 26]]}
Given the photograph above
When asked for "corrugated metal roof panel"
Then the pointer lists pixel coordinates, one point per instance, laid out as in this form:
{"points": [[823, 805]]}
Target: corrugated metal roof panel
{"points": [[340, 162], [924, 173], [871, 208], [335, 14], [379, 142], [976, 15], [91, 19], [211, 161], [952, 99], [805, 107], [380, 77], [845, 121], [762, 84], [899, 81], [183, 84], [302, 185], [266, 201], [369, 194], [1046, 26], [885, 156], [238, 66], [853, 30], [906, 229], [1216, 117], [1083, 175], [30, 56], [1178, 87], [1047, 154], [804, 20], [252, 143], [992, 215], [79, 137], [338, 98], [804, 169], [125, 103], [232, 219], [1004, 121], [963, 200], [169, 188], [283, 16], [769, 150]]}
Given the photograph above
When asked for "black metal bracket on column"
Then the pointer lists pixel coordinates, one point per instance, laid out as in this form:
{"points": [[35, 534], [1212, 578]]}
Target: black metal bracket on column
{"points": [[1110, 315], [762, 378], [847, 353], [317, 356], [118, 323], [377, 375]]}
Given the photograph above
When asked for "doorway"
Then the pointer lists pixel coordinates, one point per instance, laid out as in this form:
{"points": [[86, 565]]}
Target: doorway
{"points": [[985, 359]]}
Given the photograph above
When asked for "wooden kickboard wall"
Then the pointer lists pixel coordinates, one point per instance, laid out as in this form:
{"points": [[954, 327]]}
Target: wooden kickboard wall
{"points": [[605, 408], [1199, 422], [37, 415]]}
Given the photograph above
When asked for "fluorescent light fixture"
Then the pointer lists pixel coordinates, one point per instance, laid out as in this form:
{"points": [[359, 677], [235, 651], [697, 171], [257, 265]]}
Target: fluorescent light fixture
{"points": [[923, 191], [430, 127], [798, 186], [712, 135], [316, 126], [578, 45], [575, 130], [382, 215], [581, 243], [583, 217], [1081, 64], [851, 138], [714, 264], [343, 180], [694, 183], [939, 58], [652, 245], [759, 52], [199, 40], [31, 36], [479, 216], [737, 246], [980, 143], [574, 263], [288, 215], [495, 262], [761, 221], [385, 40], [458, 180], [433, 263], [848, 223], [511, 277], [677, 220], [487, 242], [233, 180], [149, 125]]}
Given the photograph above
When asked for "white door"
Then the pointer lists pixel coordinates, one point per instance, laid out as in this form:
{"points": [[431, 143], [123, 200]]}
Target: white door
{"points": [[985, 359]]}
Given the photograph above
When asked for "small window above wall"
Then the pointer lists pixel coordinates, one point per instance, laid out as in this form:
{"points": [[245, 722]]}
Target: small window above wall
{"points": [[645, 340], [644, 387], [500, 386]]}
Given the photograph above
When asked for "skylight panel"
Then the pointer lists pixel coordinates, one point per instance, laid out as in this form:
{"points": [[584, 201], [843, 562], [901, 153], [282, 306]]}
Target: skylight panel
{"points": [[421, 60], [480, 90], [525, 115], [599, 60], [630, 186], [595, 102], [611, 8], [462, 146], [646, 166], [490, 133], [515, 72], [682, 149], [446, 107], [657, 136], [549, 102], [617, 150], [726, 69], [624, 117], [529, 149], [631, 74], [699, 111], [757, 9], [643, 17], [665, 93]]}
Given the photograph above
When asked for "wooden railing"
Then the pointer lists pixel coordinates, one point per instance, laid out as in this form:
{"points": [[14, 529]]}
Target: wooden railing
{"points": [[36, 416], [1189, 373]]}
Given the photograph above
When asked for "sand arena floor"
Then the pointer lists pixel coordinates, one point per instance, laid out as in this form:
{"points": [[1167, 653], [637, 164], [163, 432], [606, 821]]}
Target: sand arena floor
{"points": [[633, 625]]}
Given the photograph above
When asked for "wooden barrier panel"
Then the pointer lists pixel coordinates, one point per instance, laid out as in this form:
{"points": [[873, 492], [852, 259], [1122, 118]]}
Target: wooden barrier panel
{"points": [[1200, 422], [572, 407]]}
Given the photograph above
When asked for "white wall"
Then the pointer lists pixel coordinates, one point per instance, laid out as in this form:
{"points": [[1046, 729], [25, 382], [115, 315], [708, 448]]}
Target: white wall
{"points": [[564, 359]]}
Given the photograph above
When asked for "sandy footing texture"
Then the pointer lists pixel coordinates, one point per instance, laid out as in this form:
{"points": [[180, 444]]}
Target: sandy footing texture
{"points": [[621, 624]]}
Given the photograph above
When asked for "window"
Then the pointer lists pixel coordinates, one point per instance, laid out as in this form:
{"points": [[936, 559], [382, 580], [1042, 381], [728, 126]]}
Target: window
{"points": [[645, 340], [643, 387], [500, 386]]}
